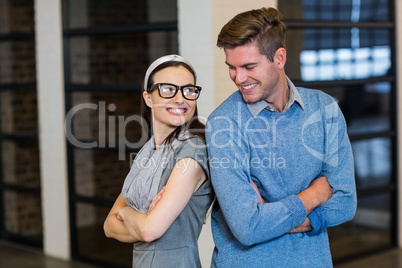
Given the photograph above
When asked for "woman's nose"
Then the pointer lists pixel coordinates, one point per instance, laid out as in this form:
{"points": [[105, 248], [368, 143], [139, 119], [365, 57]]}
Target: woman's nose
{"points": [[179, 97]]}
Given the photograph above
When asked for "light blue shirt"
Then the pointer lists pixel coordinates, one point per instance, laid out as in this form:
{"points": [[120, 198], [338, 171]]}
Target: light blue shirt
{"points": [[294, 96], [282, 153]]}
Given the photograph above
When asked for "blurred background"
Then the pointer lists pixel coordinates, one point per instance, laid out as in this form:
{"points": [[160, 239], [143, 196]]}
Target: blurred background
{"points": [[84, 60]]}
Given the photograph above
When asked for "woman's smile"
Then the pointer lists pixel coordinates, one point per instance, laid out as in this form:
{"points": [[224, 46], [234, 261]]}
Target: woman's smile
{"points": [[177, 111]]}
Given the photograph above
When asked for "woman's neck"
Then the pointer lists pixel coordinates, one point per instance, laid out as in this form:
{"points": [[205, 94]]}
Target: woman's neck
{"points": [[160, 135]]}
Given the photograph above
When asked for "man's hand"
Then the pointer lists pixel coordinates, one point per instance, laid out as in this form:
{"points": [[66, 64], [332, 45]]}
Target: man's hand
{"points": [[260, 199], [302, 228], [317, 194], [322, 189]]}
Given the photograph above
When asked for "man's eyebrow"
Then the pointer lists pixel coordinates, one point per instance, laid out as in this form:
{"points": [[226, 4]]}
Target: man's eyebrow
{"points": [[243, 66]]}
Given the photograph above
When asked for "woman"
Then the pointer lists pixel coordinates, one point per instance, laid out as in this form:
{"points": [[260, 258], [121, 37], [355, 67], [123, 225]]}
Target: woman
{"points": [[165, 229]]}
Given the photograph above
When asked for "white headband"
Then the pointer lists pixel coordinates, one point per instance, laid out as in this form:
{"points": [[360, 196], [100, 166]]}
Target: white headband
{"points": [[164, 59]]}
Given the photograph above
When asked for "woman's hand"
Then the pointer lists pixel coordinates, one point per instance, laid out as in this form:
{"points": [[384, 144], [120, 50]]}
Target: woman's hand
{"points": [[182, 183], [155, 200], [119, 215], [114, 226]]}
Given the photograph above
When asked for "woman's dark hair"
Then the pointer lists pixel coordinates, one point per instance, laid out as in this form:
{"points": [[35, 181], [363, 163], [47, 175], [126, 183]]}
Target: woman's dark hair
{"points": [[194, 126]]}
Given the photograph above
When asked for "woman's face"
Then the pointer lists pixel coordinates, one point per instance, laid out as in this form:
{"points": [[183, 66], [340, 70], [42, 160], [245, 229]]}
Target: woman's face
{"points": [[168, 114]]}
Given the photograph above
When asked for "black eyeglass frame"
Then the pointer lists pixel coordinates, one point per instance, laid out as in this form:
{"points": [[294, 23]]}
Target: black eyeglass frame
{"points": [[178, 88]]}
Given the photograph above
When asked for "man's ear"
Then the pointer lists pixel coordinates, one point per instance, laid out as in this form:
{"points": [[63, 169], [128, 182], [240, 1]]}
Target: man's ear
{"points": [[147, 99], [280, 57]]}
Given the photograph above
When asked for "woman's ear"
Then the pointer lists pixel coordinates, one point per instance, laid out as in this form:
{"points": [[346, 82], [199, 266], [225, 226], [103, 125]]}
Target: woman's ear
{"points": [[147, 99]]}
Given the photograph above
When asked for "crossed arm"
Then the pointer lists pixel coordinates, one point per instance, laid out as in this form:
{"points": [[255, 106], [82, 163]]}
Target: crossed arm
{"points": [[251, 223], [128, 225], [317, 194]]}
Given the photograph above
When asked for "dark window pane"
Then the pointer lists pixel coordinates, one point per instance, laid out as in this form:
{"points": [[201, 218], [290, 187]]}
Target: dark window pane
{"points": [[22, 212], [105, 120], [18, 112], [91, 240], [372, 162], [366, 107], [374, 37], [101, 13], [369, 230], [333, 38], [16, 16], [100, 173], [104, 124], [335, 10], [20, 163], [17, 61], [326, 54], [117, 59]]}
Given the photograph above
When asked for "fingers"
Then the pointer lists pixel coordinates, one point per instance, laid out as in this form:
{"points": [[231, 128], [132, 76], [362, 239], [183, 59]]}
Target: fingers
{"points": [[321, 181], [119, 216], [322, 189], [302, 228], [155, 200], [254, 186], [260, 199]]}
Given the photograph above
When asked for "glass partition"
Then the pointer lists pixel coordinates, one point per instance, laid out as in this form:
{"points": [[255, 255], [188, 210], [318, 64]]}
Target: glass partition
{"points": [[20, 210], [346, 49], [108, 47]]}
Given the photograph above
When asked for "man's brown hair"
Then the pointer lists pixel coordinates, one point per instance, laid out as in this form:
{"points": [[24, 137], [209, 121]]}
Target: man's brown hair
{"points": [[262, 25]]}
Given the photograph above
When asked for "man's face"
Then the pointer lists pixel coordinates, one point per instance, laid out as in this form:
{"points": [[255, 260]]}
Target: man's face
{"points": [[256, 77]]}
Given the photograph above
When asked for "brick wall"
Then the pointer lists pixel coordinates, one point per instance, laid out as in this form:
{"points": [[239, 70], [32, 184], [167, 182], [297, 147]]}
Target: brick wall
{"points": [[18, 116]]}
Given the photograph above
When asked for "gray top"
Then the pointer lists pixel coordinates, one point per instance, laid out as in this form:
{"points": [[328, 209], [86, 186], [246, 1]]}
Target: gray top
{"points": [[143, 180], [178, 247]]}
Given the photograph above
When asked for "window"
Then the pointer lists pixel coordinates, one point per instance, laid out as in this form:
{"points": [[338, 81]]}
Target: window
{"points": [[20, 199], [108, 46], [346, 48]]}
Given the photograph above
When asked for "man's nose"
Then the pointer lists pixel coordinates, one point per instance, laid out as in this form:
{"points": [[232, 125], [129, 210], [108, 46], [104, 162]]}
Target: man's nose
{"points": [[241, 76]]}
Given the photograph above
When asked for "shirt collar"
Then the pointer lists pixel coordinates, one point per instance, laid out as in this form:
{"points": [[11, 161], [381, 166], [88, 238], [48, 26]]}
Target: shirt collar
{"points": [[294, 96]]}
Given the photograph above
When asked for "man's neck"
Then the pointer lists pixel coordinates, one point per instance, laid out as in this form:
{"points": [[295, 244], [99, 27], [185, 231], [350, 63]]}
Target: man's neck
{"points": [[279, 101]]}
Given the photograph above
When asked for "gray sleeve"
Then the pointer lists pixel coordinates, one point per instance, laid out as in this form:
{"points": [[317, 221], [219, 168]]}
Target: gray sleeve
{"points": [[196, 149]]}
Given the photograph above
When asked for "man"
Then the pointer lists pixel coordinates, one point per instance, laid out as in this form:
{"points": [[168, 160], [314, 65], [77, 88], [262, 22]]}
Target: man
{"points": [[287, 146]]}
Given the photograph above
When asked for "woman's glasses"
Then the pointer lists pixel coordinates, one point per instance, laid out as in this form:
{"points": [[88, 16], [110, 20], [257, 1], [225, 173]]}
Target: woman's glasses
{"points": [[168, 91]]}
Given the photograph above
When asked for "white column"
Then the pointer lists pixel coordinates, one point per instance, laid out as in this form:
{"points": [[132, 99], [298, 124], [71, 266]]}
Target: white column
{"points": [[196, 44], [199, 25], [50, 90]]}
